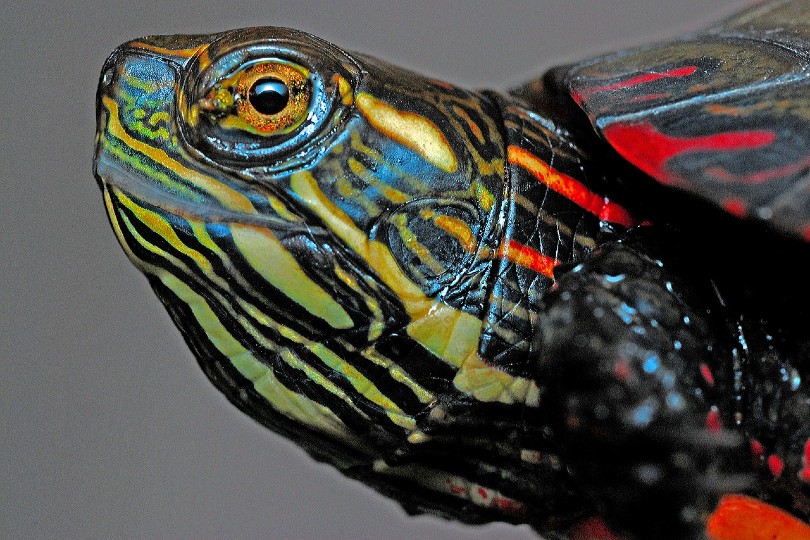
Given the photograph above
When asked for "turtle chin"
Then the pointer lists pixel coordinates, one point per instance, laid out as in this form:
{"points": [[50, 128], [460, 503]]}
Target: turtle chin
{"points": [[256, 303]]}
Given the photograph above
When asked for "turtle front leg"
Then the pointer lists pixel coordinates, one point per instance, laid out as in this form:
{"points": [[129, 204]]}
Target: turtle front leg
{"points": [[633, 363]]}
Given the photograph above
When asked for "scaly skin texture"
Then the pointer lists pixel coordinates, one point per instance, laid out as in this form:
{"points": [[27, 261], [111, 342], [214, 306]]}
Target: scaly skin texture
{"points": [[453, 296]]}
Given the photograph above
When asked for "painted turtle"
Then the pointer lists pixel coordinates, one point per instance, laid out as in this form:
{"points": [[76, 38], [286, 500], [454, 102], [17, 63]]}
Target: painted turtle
{"points": [[581, 304]]}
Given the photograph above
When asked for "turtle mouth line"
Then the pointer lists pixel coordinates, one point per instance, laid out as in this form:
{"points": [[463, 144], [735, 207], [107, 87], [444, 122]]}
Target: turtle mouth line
{"points": [[112, 176]]}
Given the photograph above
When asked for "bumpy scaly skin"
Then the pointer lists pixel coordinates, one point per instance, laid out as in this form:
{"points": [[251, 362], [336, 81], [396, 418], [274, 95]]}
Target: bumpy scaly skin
{"points": [[435, 289], [639, 390]]}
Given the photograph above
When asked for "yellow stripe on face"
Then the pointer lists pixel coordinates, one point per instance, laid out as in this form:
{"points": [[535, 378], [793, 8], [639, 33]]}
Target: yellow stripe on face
{"points": [[281, 209], [359, 382], [295, 406], [374, 253], [448, 333], [160, 116], [116, 225], [345, 89], [398, 374], [229, 197], [363, 385], [275, 264], [164, 229], [376, 324], [409, 129], [165, 51], [270, 254]]}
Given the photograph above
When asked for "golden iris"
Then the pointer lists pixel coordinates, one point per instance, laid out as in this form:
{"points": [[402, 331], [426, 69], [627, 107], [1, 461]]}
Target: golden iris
{"points": [[270, 98]]}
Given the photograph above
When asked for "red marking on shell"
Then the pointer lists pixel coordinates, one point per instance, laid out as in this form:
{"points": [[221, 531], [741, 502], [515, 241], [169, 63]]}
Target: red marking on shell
{"points": [[569, 187], [735, 207], [806, 232], [757, 450], [739, 517], [707, 374], [776, 465], [647, 97], [641, 79], [649, 149], [713, 423], [760, 177], [483, 493], [592, 528], [456, 489], [804, 474]]}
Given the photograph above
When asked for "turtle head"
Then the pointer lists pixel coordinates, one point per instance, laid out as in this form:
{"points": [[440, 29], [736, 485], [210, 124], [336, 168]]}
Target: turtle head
{"points": [[320, 225]]}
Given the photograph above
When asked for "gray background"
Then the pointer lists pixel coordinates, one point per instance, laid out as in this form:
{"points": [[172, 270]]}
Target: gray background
{"points": [[107, 427]]}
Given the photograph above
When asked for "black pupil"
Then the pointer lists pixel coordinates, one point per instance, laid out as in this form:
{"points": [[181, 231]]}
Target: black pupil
{"points": [[269, 96]]}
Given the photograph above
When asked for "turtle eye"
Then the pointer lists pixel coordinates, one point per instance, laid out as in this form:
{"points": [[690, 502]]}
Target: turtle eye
{"points": [[271, 98], [260, 105], [265, 98]]}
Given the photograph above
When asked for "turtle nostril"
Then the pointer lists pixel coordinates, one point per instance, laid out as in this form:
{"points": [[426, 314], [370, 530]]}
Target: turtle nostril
{"points": [[110, 69], [108, 76]]}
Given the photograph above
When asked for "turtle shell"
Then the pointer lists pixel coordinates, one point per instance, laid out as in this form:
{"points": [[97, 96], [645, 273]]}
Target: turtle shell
{"points": [[722, 114]]}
